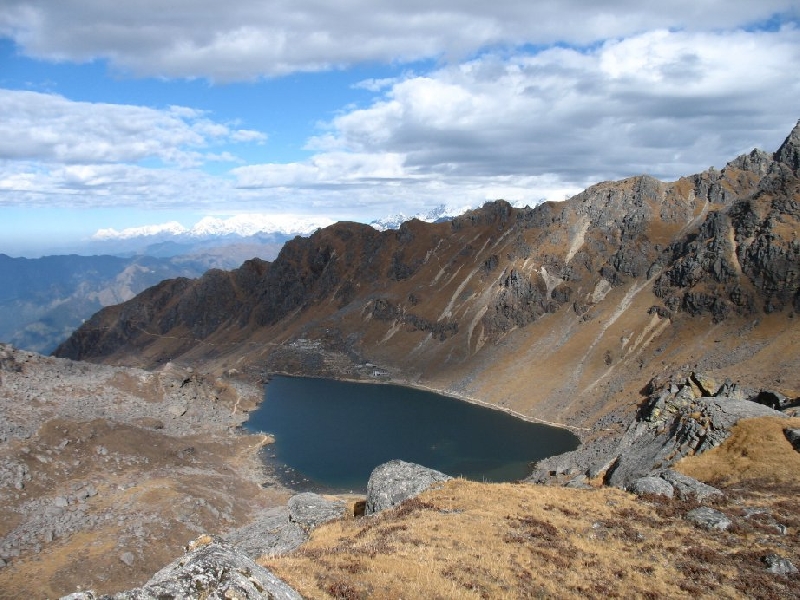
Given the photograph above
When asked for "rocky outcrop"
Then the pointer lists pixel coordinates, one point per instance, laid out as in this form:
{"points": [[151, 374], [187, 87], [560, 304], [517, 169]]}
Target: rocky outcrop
{"points": [[679, 418], [696, 426], [395, 481], [210, 569], [271, 533], [309, 510]]}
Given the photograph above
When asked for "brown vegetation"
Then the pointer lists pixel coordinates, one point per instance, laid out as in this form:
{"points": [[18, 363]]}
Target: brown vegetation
{"points": [[473, 540]]}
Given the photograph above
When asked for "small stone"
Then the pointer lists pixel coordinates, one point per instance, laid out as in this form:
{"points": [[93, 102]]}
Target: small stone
{"points": [[127, 558], [778, 564], [709, 518], [61, 502]]}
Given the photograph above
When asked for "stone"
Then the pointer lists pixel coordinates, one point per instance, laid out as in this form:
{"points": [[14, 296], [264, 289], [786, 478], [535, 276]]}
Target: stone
{"points": [[778, 564], [709, 518], [127, 558], [651, 485], [793, 435], [272, 533], [216, 569], [395, 481], [688, 487], [310, 510], [708, 385]]}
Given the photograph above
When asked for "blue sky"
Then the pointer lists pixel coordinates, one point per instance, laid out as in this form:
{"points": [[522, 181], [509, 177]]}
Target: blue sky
{"points": [[135, 114]]}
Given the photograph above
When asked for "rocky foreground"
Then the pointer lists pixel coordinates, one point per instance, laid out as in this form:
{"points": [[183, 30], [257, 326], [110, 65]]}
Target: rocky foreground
{"points": [[107, 472]]}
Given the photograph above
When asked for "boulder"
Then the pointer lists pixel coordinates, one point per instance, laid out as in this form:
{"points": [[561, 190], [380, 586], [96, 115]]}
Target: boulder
{"points": [[709, 518], [271, 533], [793, 435], [688, 487], [212, 570], [395, 481], [778, 564], [651, 485], [310, 510]]}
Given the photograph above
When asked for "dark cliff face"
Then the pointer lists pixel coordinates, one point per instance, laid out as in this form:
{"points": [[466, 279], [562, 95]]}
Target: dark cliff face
{"points": [[429, 297]]}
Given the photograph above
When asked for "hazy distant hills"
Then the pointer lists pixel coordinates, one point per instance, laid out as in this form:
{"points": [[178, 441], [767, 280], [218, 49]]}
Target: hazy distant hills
{"points": [[564, 311], [43, 300]]}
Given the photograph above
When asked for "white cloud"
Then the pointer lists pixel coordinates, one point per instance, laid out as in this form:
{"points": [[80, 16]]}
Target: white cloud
{"points": [[246, 39], [51, 128], [665, 103], [535, 122]]}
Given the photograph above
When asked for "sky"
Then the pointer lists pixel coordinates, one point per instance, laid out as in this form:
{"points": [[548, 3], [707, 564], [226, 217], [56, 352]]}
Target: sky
{"points": [[134, 114]]}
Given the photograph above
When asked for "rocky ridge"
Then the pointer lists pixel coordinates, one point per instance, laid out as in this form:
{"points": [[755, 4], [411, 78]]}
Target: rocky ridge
{"points": [[609, 287]]}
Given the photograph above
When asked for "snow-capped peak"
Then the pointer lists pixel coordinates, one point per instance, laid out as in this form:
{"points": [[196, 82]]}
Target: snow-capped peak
{"points": [[170, 228], [237, 225]]}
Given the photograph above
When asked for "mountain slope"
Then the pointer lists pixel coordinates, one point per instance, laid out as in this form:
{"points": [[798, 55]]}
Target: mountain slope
{"points": [[562, 312]]}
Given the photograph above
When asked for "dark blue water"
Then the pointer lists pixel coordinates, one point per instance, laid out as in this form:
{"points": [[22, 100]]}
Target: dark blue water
{"points": [[332, 434]]}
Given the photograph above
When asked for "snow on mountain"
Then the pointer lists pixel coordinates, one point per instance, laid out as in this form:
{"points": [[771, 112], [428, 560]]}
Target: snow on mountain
{"points": [[172, 228], [209, 227], [442, 212]]}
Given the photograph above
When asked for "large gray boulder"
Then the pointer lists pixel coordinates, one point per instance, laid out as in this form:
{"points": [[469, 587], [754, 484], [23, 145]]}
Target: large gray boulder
{"points": [[688, 487], [212, 570], [393, 482]]}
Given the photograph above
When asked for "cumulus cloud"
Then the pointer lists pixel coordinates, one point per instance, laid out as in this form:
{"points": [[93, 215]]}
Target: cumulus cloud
{"points": [[526, 101], [246, 39], [664, 103], [51, 128]]}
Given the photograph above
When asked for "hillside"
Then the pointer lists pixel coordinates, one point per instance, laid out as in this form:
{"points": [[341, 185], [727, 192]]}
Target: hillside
{"points": [[43, 300], [563, 312]]}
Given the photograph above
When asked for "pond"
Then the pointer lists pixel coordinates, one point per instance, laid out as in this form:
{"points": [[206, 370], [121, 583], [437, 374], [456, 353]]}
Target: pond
{"points": [[330, 435]]}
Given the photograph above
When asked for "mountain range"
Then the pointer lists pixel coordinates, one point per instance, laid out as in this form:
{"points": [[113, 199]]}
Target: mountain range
{"points": [[561, 312]]}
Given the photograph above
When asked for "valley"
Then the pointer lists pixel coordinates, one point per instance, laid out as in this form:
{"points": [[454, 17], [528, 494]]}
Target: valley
{"points": [[644, 316]]}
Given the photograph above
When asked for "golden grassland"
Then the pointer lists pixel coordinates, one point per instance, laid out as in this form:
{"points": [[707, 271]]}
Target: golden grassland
{"points": [[476, 540]]}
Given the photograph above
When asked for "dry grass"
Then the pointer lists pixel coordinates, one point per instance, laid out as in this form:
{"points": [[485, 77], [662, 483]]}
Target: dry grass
{"points": [[757, 449], [471, 540]]}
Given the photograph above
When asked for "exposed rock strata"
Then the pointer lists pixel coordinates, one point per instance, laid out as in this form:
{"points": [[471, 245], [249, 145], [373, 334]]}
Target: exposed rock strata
{"points": [[677, 420]]}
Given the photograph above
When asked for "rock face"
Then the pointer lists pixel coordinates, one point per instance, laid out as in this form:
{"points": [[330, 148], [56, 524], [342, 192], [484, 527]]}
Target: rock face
{"points": [[213, 570], [271, 533], [702, 424], [395, 481]]}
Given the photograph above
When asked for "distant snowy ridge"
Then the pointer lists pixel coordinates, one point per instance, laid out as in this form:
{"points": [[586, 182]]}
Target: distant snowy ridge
{"points": [[237, 225], [248, 225], [440, 213]]}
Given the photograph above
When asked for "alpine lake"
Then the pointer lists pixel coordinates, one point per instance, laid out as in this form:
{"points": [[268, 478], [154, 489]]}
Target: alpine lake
{"points": [[330, 435]]}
